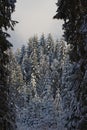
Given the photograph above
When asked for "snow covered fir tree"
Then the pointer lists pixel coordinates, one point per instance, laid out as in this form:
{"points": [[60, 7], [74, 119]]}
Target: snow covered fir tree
{"points": [[43, 85]]}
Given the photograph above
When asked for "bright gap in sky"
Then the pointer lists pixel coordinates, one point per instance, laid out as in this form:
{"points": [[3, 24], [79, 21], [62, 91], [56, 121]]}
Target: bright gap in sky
{"points": [[35, 17]]}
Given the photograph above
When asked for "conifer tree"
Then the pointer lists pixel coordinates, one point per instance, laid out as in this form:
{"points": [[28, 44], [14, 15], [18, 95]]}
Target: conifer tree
{"points": [[6, 9], [74, 14], [50, 48], [42, 44], [15, 82]]}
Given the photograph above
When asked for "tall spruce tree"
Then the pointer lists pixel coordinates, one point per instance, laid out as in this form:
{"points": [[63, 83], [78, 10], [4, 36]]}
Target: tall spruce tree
{"points": [[6, 9], [50, 48], [15, 82], [74, 14]]}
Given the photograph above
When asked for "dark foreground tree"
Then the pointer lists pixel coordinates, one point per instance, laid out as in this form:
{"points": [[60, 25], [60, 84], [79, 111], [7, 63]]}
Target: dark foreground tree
{"points": [[6, 9], [74, 14]]}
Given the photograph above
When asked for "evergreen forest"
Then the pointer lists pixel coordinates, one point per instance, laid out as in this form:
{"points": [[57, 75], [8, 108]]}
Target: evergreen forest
{"points": [[43, 84]]}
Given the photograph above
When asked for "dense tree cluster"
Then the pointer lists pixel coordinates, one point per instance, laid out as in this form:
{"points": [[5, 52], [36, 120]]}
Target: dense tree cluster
{"points": [[35, 76]]}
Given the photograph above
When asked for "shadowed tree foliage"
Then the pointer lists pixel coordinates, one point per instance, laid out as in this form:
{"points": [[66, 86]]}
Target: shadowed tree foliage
{"points": [[6, 9], [74, 14]]}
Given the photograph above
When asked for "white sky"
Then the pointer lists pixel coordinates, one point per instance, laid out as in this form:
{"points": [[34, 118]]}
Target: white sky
{"points": [[35, 17]]}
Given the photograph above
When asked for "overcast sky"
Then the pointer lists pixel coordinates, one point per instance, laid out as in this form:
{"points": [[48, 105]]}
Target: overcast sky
{"points": [[34, 17]]}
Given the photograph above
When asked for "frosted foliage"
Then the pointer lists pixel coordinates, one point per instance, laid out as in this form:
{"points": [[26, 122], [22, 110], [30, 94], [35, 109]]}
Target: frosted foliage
{"points": [[55, 64], [72, 111], [67, 93], [39, 114], [39, 106]]}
